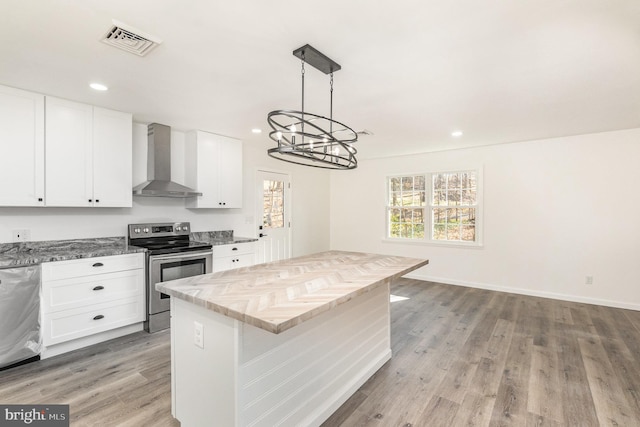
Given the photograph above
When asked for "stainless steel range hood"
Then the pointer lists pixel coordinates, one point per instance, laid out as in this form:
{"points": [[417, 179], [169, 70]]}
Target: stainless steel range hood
{"points": [[159, 182]]}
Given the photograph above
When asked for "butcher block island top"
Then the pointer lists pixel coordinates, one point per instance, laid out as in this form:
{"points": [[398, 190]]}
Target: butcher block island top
{"points": [[279, 295]]}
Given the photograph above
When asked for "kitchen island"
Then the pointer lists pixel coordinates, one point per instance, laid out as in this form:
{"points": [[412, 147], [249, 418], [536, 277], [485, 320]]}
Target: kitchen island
{"points": [[282, 343]]}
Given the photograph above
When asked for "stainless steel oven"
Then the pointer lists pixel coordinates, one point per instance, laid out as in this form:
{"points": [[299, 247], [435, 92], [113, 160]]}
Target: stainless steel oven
{"points": [[171, 255]]}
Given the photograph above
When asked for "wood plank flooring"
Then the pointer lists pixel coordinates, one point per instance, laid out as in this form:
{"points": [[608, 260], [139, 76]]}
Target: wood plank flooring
{"points": [[461, 357]]}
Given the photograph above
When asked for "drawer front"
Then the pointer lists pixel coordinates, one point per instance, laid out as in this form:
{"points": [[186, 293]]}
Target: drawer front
{"points": [[82, 291], [232, 250], [229, 263], [71, 324], [59, 270]]}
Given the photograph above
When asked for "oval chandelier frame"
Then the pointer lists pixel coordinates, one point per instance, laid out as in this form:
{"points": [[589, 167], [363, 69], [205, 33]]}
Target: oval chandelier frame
{"points": [[302, 139], [311, 139]]}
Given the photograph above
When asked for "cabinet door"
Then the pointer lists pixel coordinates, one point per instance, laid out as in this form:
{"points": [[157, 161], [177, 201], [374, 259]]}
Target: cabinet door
{"points": [[214, 168], [68, 174], [200, 171], [230, 173], [21, 148], [112, 158]]}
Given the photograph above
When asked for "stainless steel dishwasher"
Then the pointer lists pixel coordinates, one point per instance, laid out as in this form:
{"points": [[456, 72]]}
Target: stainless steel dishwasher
{"points": [[20, 338]]}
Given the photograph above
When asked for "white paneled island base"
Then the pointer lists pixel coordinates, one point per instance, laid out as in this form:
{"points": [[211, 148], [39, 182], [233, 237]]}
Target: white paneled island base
{"points": [[268, 375]]}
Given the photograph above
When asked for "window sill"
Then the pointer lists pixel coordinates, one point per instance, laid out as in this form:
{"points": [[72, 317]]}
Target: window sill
{"points": [[474, 245]]}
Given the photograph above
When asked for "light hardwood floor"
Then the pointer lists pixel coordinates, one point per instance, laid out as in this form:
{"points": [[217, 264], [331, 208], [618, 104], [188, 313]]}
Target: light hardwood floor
{"points": [[461, 357]]}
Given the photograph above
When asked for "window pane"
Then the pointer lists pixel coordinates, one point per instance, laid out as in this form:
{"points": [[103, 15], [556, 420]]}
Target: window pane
{"points": [[439, 216], [468, 216], [439, 232], [468, 197], [419, 183], [467, 181], [395, 184], [468, 233], [419, 231], [453, 232], [452, 216], [395, 215], [437, 196], [439, 181], [453, 180], [273, 204], [407, 183], [394, 230], [453, 197], [473, 182], [395, 199]]}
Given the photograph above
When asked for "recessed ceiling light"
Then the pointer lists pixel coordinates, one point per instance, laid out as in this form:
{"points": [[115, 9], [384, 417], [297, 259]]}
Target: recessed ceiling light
{"points": [[256, 130], [98, 86], [456, 134]]}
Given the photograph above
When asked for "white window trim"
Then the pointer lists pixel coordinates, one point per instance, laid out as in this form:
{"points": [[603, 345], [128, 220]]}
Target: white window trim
{"points": [[479, 242]]}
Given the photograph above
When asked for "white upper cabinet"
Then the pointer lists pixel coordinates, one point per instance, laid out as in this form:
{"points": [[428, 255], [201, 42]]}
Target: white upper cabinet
{"points": [[21, 148], [88, 155], [214, 168], [69, 156], [112, 158]]}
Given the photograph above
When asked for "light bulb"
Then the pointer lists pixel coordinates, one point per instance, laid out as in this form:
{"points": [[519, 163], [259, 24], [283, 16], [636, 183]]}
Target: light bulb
{"points": [[292, 128], [336, 151], [311, 144], [279, 135], [325, 140]]}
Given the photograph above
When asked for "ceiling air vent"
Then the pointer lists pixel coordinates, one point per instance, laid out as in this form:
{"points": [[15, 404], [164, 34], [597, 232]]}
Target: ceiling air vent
{"points": [[130, 39]]}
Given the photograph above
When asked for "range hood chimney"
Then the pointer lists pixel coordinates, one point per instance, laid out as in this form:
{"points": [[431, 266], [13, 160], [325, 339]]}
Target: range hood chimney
{"points": [[159, 182]]}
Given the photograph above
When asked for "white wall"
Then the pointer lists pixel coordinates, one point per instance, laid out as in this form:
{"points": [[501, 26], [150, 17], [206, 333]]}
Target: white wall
{"points": [[555, 211], [309, 188]]}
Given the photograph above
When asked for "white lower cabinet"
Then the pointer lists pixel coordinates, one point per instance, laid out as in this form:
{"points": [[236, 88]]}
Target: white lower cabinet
{"points": [[228, 257], [89, 300]]}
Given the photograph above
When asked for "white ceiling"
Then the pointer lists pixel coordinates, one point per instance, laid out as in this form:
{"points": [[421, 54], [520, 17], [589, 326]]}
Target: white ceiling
{"points": [[412, 71]]}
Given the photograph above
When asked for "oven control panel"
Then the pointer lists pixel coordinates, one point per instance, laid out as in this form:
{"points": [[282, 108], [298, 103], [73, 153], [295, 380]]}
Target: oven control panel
{"points": [[159, 229]]}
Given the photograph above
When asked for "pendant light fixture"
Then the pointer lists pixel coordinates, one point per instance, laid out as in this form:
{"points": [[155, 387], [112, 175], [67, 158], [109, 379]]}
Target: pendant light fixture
{"points": [[311, 139]]}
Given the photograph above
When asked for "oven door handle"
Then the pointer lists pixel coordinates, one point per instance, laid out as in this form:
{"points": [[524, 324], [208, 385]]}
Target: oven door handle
{"points": [[178, 256]]}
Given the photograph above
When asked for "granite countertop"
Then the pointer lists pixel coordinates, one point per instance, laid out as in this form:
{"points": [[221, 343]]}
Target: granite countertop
{"points": [[29, 253], [217, 238], [280, 295]]}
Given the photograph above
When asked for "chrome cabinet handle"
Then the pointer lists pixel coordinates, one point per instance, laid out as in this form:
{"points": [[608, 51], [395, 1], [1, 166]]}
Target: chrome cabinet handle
{"points": [[98, 288], [98, 317], [262, 235], [98, 264]]}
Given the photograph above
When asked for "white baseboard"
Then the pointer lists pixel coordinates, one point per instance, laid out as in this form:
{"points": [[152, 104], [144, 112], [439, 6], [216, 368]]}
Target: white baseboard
{"points": [[529, 292]]}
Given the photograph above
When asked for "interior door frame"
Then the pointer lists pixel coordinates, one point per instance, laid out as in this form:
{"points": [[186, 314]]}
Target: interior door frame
{"points": [[287, 204]]}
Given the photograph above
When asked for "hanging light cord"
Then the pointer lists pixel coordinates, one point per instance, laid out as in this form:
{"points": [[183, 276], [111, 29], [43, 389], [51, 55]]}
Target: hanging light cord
{"points": [[302, 75]]}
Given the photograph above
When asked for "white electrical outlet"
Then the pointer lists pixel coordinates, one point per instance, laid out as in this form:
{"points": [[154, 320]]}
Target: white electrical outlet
{"points": [[22, 235], [588, 280], [198, 334]]}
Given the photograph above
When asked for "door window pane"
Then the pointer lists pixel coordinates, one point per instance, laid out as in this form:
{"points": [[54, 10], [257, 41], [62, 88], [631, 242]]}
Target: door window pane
{"points": [[273, 204]]}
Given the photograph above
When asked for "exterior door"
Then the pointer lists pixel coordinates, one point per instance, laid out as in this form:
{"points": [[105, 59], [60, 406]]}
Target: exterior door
{"points": [[273, 215]]}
